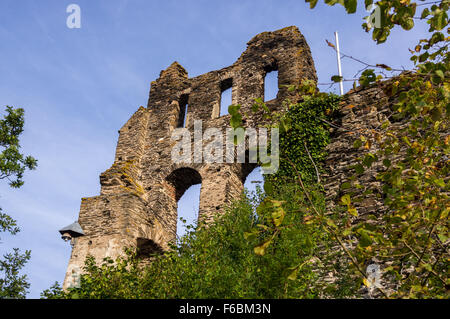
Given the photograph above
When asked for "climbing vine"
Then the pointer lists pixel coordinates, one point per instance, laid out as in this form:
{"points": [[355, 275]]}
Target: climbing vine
{"points": [[305, 139]]}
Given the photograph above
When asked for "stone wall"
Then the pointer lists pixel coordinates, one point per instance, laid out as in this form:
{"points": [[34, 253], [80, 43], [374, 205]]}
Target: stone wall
{"points": [[363, 111]]}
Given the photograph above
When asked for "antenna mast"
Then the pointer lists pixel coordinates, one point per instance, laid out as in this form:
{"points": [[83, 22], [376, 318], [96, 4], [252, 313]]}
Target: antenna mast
{"points": [[341, 83]]}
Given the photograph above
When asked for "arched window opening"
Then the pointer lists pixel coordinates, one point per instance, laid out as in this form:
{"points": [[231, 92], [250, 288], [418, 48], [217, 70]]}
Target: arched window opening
{"points": [[188, 207], [254, 179], [225, 97], [186, 184], [147, 247]]}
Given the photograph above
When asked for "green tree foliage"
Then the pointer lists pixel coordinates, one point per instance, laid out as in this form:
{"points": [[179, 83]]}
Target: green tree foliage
{"points": [[13, 163], [412, 237], [12, 167], [397, 13], [306, 136], [14, 285]]}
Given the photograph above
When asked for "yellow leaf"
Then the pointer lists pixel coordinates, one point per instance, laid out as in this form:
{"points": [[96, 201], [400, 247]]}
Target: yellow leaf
{"points": [[293, 274], [261, 249], [352, 211]]}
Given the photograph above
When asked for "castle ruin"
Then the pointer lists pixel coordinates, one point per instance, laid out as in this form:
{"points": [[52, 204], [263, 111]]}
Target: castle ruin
{"points": [[137, 205]]}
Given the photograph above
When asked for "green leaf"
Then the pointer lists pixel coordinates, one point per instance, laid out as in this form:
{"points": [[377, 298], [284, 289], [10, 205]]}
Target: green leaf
{"points": [[428, 267], [347, 232], [350, 5], [336, 78], [440, 74], [346, 185], [284, 125], [233, 109], [439, 182], [268, 187], [236, 120], [331, 223], [425, 13], [368, 76], [276, 203], [407, 24], [423, 57], [278, 216], [365, 239], [359, 169], [312, 3], [369, 159], [293, 274], [346, 200], [439, 20], [251, 235], [358, 143]]}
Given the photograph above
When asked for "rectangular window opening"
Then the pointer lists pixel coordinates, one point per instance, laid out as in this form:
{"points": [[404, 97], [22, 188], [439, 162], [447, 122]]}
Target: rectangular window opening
{"points": [[225, 97], [183, 103], [271, 85]]}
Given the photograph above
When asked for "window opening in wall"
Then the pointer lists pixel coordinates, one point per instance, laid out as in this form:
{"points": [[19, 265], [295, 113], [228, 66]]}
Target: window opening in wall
{"points": [[147, 247], [254, 180], [225, 98], [188, 207], [271, 85], [186, 183], [183, 103]]}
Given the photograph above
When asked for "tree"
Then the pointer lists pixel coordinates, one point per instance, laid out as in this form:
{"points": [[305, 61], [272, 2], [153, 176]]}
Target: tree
{"points": [[412, 237], [12, 167]]}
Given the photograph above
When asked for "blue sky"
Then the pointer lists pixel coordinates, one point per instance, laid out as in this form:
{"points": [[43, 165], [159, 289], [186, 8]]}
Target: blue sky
{"points": [[79, 86]]}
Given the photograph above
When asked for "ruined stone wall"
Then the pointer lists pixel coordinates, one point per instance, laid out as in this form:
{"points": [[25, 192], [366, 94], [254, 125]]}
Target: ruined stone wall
{"points": [[137, 205], [363, 111]]}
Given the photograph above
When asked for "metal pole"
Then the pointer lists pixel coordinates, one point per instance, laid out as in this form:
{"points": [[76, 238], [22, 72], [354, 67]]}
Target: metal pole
{"points": [[341, 83]]}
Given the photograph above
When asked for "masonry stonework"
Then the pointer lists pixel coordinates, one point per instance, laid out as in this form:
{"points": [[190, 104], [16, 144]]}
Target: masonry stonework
{"points": [[137, 205]]}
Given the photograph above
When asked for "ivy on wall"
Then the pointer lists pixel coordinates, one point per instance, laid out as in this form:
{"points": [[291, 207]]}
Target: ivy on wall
{"points": [[305, 137]]}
